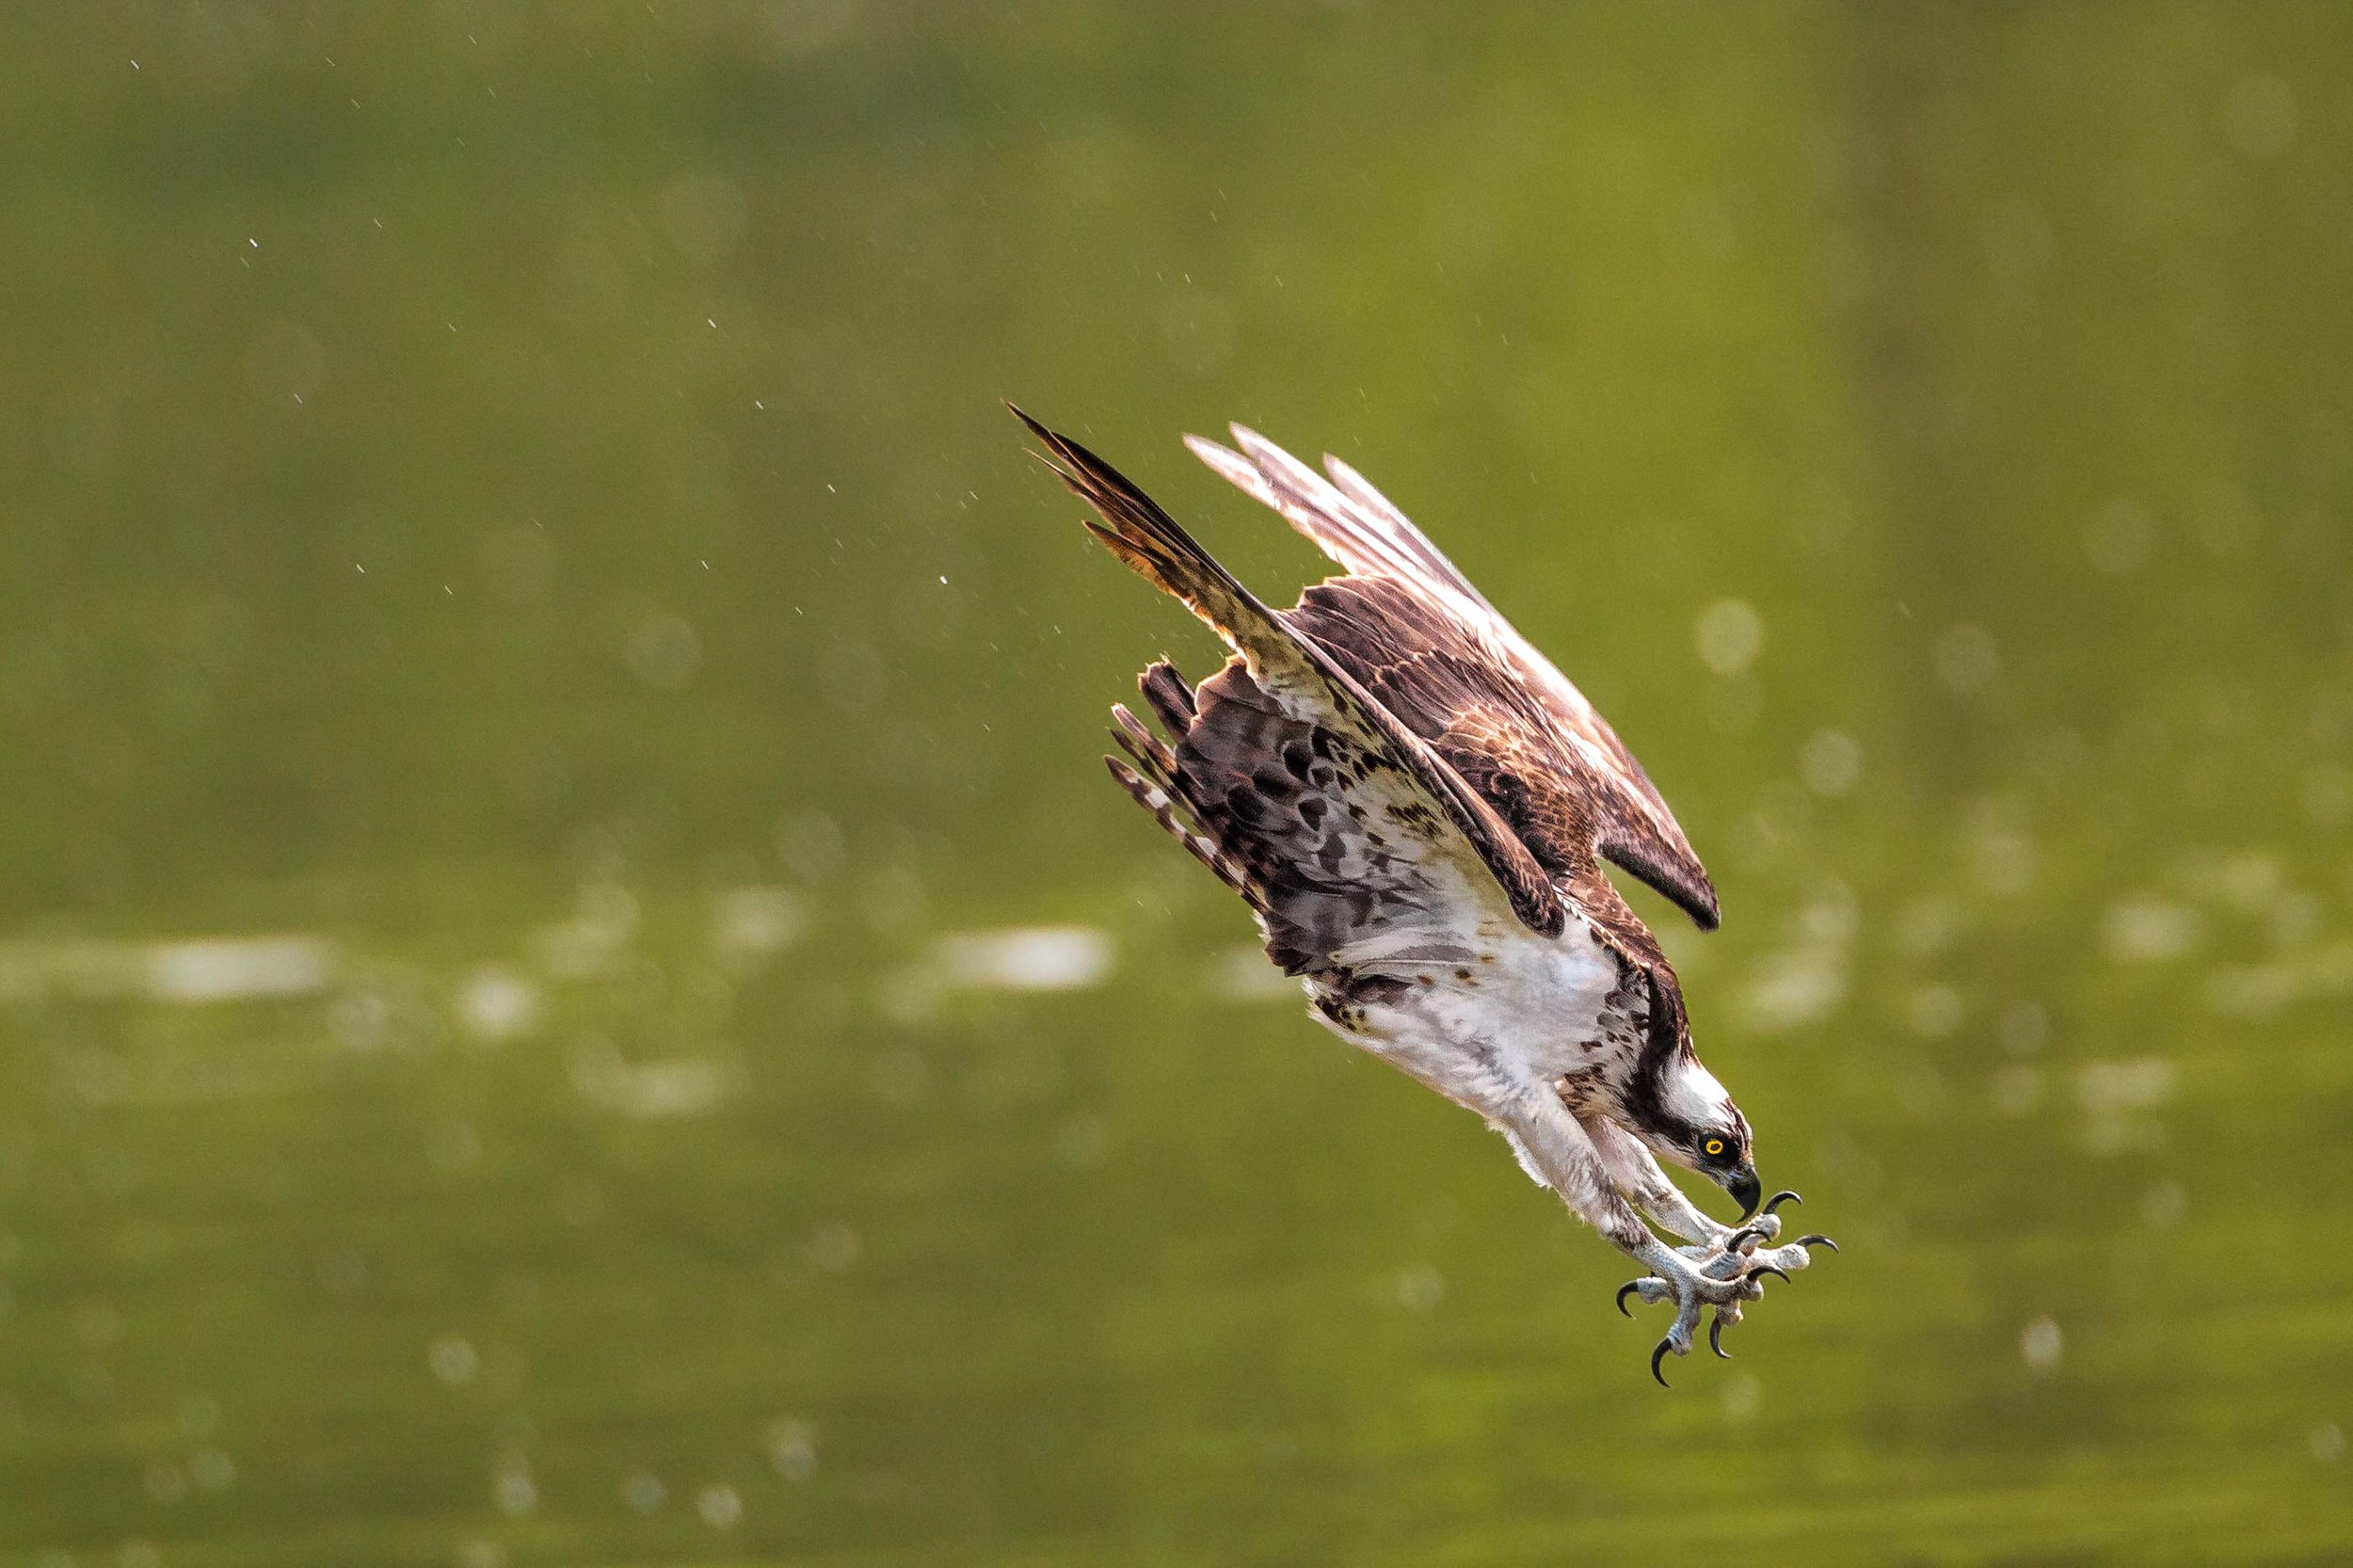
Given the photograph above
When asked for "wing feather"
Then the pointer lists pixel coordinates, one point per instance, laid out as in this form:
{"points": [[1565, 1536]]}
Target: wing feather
{"points": [[1489, 703], [1348, 519], [1285, 663]]}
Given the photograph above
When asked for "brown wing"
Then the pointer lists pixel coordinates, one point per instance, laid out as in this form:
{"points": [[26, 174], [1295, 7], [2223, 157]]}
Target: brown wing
{"points": [[1409, 627], [1287, 675]]}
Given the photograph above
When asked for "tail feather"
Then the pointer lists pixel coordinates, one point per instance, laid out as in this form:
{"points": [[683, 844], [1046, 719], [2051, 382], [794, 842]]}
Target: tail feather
{"points": [[1172, 701], [1156, 799], [1158, 783], [1150, 752]]}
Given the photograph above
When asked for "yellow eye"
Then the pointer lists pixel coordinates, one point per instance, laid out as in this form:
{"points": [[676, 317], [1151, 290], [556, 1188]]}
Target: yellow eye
{"points": [[1714, 1145]]}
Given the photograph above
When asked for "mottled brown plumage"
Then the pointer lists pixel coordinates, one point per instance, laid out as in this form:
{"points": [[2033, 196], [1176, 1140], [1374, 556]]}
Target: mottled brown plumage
{"points": [[1409, 626], [1135, 529]]}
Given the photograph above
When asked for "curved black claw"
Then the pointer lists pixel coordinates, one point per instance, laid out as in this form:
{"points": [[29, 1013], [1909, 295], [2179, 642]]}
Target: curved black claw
{"points": [[1731, 1242], [1784, 1195], [1716, 1339], [1815, 1241], [1629, 1288], [1656, 1357], [1764, 1269]]}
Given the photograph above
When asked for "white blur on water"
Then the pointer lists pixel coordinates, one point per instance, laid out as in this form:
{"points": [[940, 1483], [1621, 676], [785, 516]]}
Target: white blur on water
{"points": [[182, 971]]}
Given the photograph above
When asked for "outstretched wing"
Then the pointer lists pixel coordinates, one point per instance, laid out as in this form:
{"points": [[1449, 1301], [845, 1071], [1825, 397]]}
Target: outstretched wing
{"points": [[1293, 678], [1408, 626]]}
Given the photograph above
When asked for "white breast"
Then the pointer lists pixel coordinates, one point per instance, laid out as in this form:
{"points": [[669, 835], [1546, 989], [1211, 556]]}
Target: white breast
{"points": [[1527, 1015]]}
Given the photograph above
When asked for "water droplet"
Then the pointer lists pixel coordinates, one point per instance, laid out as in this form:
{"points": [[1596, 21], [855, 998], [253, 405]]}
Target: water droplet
{"points": [[1965, 658], [2024, 1028], [1420, 1289], [2150, 930], [1830, 763], [834, 1247], [1729, 635], [2042, 1344], [1934, 1011], [498, 1004], [513, 1492], [166, 1483], [452, 1360], [792, 1444], [719, 1507], [213, 1470]]}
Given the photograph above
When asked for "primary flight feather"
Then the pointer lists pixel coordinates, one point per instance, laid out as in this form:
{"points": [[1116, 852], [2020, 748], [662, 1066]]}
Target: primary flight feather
{"points": [[1416, 803]]}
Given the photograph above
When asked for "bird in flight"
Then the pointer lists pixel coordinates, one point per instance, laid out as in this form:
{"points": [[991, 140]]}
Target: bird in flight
{"points": [[1416, 803]]}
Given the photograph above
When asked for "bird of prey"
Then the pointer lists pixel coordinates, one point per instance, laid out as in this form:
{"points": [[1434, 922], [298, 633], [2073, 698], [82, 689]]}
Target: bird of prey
{"points": [[1416, 803]]}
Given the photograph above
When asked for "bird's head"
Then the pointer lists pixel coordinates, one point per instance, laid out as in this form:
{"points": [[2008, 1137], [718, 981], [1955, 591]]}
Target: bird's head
{"points": [[1688, 1119]]}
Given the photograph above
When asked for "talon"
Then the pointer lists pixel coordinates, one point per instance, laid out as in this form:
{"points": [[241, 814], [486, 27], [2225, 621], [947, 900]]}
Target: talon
{"points": [[1716, 1339], [1731, 1242], [1815, 1241], [1630, 1287], [1781, 1197], [1658, 1355], [1764, 1269]]}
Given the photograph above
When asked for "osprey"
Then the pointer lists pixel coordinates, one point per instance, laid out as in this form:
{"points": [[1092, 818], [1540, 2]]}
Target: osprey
{"points": [[1416, 803]]}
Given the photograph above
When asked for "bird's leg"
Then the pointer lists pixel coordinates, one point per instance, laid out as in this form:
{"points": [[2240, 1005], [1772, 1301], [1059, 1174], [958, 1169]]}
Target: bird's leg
{"points": [[1632, 1166], [1562, 1151]]}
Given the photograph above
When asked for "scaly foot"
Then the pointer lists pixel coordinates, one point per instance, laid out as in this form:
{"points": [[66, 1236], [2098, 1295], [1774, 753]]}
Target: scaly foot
{"points": [[1723, 1283], [1724, 1275]]}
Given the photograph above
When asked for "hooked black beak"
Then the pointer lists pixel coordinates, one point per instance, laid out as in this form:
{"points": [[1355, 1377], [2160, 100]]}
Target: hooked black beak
{"points": [[1745, 1187]]}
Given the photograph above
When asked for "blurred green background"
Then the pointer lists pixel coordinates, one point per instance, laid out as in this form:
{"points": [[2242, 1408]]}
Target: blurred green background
{"points": [[571, 990]]}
